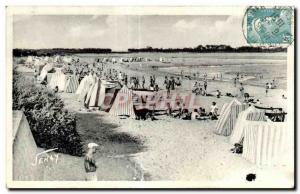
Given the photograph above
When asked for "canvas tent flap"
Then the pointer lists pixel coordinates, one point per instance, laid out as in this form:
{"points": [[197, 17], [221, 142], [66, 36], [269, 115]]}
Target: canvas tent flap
{"points": [[123, 104]]}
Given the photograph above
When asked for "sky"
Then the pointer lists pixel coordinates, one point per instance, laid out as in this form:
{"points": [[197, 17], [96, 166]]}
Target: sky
{"points": [[120, 32]]}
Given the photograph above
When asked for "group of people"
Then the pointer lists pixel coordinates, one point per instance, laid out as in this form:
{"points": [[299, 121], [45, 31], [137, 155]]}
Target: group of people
{"points": [[198, 90], [197, 114], [171, 83]]}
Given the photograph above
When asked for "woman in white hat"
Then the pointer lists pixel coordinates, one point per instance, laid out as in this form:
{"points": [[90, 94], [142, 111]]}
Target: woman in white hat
{"points": [[90, 164]]}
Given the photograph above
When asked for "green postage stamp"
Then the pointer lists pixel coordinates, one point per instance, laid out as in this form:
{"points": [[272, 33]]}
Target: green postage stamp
{"points": [[269, 25]]}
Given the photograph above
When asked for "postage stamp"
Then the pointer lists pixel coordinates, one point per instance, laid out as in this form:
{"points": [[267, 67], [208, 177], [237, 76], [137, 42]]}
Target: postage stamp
{"points": [[272, 25]]}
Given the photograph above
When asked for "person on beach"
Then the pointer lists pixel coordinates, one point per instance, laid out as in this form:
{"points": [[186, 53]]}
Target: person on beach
{"points": [[205, 85], [218, 94], [242, 90], [234, 82], [214, 111], [166, 81], [90, 164], [195, 114], [178, 82], [143, 82], [267, 89], [172, 83]]}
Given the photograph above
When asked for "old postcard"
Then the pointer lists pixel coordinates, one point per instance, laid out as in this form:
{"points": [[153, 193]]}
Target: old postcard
{"points": [[150, 97]]}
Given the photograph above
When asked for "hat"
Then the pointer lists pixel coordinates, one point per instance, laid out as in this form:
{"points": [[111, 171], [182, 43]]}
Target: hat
{"points": [[91, 145]]}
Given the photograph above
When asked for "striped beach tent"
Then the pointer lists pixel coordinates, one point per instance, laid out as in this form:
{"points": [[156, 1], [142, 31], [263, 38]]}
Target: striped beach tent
{"points": [[94, 95], [58, 79], [266, 143], [250, 114], [71, 84], [103, 94], [228, 116], [123, 104]]}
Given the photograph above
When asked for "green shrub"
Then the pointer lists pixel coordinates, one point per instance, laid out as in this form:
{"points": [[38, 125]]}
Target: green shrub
{"points": [[51, 125]]}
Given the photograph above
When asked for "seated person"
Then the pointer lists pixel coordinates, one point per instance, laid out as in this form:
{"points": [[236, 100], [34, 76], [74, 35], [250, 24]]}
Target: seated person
{"points": [[246, 97], [214, 111], [202, 112], [56, 89], [200, 92], [194, 115], [178, 113], [178, 82], [218, 94], [185, 115], [229, 95]]}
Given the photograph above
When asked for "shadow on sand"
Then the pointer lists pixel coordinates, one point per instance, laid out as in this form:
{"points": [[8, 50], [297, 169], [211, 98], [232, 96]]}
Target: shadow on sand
{"points": [[92, 128]]}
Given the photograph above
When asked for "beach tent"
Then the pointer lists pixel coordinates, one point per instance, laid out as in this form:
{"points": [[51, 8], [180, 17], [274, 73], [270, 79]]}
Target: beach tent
{"points": [[123, 104], [111, 89], [250, 114], [93, 95], [24, 150], [266, 142], [86, 83], [67, 59], [228, 116], [39, 65], [102, 94], [58, 79], [71, 84], [29, 60], [48, 67]]}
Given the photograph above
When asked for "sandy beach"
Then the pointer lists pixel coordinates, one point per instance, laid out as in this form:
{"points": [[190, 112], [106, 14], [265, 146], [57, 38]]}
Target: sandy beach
{"points": [[175, 149], [170, 149]]}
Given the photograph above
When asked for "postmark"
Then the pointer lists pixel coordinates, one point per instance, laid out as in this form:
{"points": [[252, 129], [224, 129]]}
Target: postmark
{"points": [[269, 25]]}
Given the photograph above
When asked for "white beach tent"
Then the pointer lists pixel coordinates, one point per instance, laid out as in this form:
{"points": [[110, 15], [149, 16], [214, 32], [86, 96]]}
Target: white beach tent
{"points": [[123, 103], [24, 150], [48, 67], [228, 116], [58, 79], [29, 60], [71, 84], [250, 114], [86, 83], [267, 142]]}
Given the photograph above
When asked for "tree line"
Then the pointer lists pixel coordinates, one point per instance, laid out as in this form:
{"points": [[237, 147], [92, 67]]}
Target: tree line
{"points": [[198, 49], [211, 48]]}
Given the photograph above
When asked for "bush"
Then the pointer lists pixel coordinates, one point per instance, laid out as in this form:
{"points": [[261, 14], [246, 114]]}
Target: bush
{"points": [[51, 125]]}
